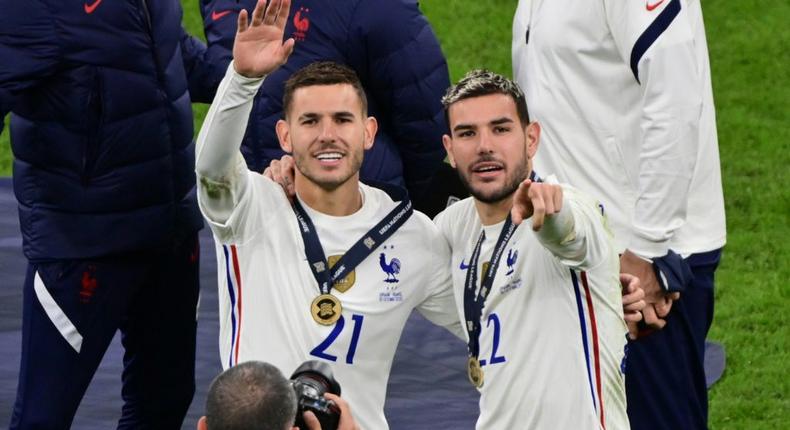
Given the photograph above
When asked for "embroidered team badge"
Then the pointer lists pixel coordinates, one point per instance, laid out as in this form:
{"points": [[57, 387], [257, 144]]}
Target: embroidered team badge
{"points": [[512, 256], [391, 269], [301, 24], [347, 281], [511, 284]]}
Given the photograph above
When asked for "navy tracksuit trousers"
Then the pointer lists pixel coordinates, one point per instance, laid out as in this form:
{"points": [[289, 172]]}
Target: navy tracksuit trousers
{"points": [[665, 374], [71, 311]]}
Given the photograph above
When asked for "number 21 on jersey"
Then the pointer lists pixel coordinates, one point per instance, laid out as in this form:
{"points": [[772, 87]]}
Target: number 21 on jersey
{"points": [[320, 350]]}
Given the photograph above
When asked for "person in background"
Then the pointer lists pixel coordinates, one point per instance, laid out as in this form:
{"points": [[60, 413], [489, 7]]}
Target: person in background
{"points": [[101, 131], [623, 91]]}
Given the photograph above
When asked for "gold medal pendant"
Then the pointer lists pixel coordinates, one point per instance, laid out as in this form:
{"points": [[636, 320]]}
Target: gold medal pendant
{"points": [[326, 309], [475, 372]]}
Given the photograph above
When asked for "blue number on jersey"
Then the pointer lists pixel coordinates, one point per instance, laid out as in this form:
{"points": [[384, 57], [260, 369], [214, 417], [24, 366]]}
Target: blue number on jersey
{"points": [[497, 329], [320, 350]]}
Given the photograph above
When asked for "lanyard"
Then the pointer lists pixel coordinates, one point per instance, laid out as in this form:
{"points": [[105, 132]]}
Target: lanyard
{"points": [[473, 304], [326, 276]]}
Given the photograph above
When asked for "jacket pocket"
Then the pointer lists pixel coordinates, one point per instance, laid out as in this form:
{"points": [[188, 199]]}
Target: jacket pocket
{"points": [[94, 118]]}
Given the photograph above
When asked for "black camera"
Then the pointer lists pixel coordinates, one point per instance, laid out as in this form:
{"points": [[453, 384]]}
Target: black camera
{"points": [[310, 381]]}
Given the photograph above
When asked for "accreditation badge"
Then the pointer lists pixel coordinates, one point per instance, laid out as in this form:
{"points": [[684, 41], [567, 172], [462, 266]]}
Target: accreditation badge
{"points": [[475, 372], [326, 309], [347, 281]]}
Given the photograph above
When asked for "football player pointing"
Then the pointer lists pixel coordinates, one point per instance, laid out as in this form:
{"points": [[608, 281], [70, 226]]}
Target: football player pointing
{"points": [[535, 273]]}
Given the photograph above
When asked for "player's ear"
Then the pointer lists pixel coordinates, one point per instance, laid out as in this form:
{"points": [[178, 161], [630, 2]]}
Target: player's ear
{"points": [[371, 127], [532, 133], [201, 424], [284, 136], [447, 141]]}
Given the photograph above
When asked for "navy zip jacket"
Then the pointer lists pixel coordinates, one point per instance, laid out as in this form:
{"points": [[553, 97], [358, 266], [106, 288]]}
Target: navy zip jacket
{"points": [[392, 48], [101, 124]]}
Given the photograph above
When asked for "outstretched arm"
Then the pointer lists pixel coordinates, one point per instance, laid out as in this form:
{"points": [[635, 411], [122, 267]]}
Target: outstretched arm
{"points": [[258, 50], [566, 222]]}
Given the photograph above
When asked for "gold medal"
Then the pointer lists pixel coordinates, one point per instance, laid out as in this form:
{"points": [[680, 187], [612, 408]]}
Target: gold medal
{"points": [[326, 309], [475, 372]]}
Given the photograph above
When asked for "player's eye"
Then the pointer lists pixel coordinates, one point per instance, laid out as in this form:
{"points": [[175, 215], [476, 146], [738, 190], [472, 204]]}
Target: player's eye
{"points": [[501, 130]]}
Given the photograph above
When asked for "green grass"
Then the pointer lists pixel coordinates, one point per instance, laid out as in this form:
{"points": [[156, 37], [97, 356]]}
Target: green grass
{"points": [[748, 43]]}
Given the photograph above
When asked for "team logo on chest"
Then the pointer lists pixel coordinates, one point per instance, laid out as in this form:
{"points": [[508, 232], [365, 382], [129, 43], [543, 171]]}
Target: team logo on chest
{"points": [[511, 284], [391, 267], [347, 281], [512, 256], [301, 23]]}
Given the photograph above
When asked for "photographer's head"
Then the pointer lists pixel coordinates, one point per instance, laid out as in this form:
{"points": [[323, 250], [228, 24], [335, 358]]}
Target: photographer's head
{"points": [[249, 396]]}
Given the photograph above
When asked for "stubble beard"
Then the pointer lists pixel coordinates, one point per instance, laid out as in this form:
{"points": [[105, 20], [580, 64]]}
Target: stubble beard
{"points": [[512, 183], [328, 184]]}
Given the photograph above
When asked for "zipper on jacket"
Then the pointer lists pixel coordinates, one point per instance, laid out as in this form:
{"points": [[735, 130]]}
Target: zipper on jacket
{"points": [[150, 27], [96, 110]]}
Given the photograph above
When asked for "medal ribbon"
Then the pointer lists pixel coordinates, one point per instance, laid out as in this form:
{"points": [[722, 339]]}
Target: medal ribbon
{"points": [[473, 303], [316, 258]]}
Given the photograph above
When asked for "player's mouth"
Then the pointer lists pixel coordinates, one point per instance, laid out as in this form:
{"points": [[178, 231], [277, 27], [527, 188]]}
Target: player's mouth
{"points": [[487, 169], [329, 157]]}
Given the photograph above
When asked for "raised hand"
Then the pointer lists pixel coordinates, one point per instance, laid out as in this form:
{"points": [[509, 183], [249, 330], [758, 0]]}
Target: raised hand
{"points": [[537, 200], [258, 48]]}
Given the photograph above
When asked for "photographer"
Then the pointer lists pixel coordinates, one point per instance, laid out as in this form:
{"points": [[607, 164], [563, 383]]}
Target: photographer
{"points": [[255, 395]]}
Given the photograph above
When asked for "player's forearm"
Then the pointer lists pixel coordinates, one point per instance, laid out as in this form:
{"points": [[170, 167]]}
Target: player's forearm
{"points": [[219, 140], [576, 234], [558, 234], [220, 167]]}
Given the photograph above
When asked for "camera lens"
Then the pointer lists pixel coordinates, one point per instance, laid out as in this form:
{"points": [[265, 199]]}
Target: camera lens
{"points": [[310, 381]]}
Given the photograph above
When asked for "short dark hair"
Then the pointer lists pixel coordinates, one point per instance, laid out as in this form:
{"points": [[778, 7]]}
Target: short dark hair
{"points": [[249, 396], [483, 82], [322, 73]]}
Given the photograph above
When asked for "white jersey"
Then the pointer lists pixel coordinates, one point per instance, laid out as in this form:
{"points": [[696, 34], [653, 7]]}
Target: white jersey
{"points": [[553, 335], [266, 286], [622, 91]]}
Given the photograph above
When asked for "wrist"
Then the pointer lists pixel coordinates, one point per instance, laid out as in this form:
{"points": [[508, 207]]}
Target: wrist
{"points": [[243, 74]]}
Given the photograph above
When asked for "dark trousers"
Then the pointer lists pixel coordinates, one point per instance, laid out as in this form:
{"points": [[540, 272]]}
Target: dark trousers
{"points": [[665, 374], [71, 311]]}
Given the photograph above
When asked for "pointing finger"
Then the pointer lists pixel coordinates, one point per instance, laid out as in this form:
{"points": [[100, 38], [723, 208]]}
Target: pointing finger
{"points": [[538, 210]]}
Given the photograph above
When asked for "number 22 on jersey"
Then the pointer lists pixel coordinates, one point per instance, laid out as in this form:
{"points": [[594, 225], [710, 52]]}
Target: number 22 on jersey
{"points": [[497, 327]]}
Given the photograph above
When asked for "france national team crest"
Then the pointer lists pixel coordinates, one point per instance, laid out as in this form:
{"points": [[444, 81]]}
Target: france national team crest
{"points": [[391, 267], [510, 284], [512, 255]]}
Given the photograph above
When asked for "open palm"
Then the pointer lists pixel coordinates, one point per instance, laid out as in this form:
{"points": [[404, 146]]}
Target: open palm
{"points": [[259, 48]]}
